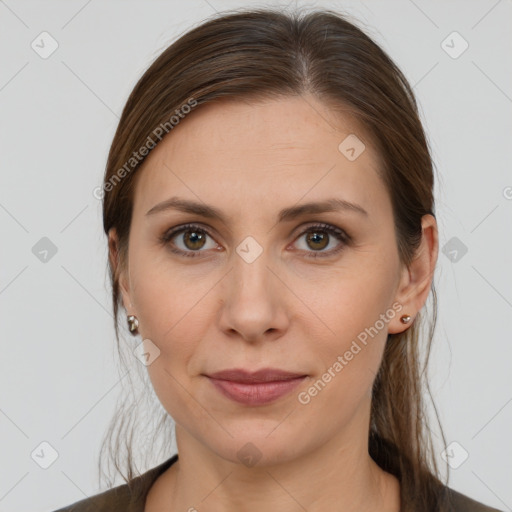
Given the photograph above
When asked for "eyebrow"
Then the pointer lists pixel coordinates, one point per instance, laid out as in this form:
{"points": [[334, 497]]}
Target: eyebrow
{"points": [[287, 214]]}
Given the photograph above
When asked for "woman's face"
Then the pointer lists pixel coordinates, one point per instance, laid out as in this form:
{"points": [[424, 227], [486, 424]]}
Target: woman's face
{"points": [[246, 292]]}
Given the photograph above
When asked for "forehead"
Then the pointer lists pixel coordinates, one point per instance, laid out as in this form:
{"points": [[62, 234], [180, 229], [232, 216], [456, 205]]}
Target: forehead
{"points": [[231, 127], [269, 150]]}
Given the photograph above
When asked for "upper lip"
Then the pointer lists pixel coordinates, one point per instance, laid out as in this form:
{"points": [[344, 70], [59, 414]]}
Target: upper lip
{"points": [[263, 375]]}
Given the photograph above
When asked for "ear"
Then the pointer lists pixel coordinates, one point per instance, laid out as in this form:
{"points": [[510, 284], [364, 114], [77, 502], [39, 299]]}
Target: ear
{"points": [[416, 279], [119, 270]]}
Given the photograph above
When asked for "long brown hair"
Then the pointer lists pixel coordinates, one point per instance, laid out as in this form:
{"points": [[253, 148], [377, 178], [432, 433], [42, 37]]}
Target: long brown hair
{"points": [[268, 53]]}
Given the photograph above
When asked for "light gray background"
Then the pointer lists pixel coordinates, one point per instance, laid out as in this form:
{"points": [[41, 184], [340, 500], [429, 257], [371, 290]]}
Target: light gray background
{"points": [[59, 379]]}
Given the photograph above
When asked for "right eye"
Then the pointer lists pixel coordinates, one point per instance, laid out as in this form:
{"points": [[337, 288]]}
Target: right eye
{"points": [[193, 238]]}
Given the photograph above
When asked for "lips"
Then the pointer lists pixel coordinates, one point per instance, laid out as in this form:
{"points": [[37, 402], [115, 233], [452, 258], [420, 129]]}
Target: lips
{"points": [[263, 375], [255, 388]]}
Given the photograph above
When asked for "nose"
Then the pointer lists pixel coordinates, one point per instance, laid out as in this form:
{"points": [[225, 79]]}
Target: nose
{"points": [[253, 301]]}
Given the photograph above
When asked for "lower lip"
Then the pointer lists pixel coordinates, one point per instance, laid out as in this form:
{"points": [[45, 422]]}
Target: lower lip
{"points": [[256, 394]]}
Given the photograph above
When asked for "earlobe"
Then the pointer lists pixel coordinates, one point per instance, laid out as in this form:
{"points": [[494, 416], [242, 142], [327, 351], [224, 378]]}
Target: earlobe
{"points": [[416, 279], [404, 313]]}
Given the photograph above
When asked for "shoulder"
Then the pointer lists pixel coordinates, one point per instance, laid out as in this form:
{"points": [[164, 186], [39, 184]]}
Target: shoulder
{"points": [[461, 503], [117, 498], [129, 497]]}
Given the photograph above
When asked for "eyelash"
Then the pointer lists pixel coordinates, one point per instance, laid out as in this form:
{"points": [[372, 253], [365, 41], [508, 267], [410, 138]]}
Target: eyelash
{"points": [[339, 234]]}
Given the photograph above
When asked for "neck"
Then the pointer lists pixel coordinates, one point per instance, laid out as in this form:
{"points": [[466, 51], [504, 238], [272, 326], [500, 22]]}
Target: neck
{"points": [[327, 478]]}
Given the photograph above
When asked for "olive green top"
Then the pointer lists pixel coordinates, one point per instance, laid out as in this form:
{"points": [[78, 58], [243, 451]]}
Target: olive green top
{"points": [[132, 497]]}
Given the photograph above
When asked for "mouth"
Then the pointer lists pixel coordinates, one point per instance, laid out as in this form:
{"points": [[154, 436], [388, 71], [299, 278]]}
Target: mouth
{"points": [[255, 388]]}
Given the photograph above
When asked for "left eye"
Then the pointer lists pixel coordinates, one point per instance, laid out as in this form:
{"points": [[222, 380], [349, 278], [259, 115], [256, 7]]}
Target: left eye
{"points": [[194, 238]]}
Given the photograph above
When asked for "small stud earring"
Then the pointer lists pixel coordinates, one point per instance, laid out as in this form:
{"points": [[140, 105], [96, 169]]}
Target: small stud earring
{"points": [[133, 324], [405, 319]]}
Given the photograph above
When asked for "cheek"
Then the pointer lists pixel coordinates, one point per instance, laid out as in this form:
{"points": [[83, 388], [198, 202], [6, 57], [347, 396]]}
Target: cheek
{"points": [[349, 301], [349, 359], [165, 297], [172, 313], [355, 313], [178, 342], [174, 393]]}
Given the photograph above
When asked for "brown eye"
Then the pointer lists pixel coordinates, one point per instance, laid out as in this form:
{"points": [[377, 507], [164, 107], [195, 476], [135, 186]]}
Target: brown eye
{"points": [[187, 240], [318, 237], [194, 239]]}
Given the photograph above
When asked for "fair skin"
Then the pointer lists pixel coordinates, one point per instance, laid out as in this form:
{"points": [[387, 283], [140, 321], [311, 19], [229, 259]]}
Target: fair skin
{"points": [[217, 311]]}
